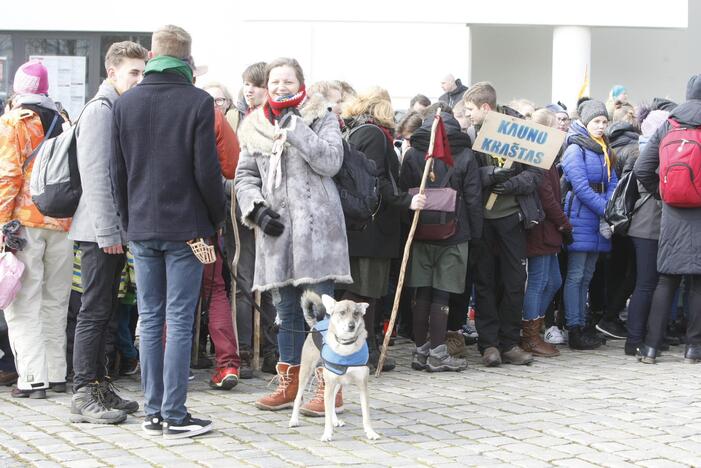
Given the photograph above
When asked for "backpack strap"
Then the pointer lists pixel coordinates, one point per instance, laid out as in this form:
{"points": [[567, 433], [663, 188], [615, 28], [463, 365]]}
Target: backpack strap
{"points": [[33, 154], [395, 189], [446, 178]]}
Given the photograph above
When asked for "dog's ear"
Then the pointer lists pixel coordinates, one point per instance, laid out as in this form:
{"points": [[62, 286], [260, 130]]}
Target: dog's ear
{"points": [[329, 303], [361, 307]]}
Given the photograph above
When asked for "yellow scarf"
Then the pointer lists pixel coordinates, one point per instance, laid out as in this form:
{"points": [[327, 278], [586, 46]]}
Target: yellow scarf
{"points": [[602, 143]]}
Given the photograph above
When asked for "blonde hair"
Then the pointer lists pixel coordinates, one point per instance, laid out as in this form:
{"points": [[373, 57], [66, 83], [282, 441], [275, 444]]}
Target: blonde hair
{"points": [[123, 50], [221, 87], [323, 88], [173, 41], [481, 93], [544, 117], [374, 102]]}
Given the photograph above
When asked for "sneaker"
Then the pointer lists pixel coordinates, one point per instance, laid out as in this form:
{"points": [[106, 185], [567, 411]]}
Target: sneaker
{"points": [[130, 366], [190, 427], [57, 387], [153, 425], [419, 357], [114, 401], [88, 406], [246, 370], [225, 378], [440, 361], [516, 356], [469, 333], [554, 335], [491, 357], [191, 376], [613, 329], [34, 394]]}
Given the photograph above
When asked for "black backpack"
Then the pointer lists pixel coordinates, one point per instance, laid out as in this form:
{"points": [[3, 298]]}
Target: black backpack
{"points": [[621, 208], [358, 186]]}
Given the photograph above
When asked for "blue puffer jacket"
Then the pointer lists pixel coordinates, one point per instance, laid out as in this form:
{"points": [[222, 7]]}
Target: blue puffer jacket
{"points": [[583, 164]]}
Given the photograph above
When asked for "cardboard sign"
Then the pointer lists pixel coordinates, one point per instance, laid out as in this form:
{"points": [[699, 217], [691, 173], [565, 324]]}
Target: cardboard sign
{"points": [[519, 140]]}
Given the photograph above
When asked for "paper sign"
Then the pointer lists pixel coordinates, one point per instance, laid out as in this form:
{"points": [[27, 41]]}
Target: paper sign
{"points": [[519, 140]]}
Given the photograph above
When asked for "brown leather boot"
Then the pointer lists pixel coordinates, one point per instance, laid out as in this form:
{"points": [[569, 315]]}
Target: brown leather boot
{"points": [[286, 391], [532, 342], [315, 406]]}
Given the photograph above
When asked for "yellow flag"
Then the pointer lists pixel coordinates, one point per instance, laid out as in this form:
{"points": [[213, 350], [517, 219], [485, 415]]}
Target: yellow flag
{"points": [[584, 90]]}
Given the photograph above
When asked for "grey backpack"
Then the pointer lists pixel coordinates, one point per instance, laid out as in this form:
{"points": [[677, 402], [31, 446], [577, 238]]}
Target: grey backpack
{"points": [[55, 184]]}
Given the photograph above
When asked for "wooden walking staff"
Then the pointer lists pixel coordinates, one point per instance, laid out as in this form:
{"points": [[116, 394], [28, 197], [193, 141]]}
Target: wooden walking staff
{"points": [[256, 333], [407, 248], [235, 264]]}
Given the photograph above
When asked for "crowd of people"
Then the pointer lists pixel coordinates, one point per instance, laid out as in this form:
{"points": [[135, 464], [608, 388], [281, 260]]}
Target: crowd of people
{"points": [[175, 175]]}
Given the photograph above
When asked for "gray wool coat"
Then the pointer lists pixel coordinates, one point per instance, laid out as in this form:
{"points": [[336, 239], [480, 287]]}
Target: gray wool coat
{"points": [[313, 247]]}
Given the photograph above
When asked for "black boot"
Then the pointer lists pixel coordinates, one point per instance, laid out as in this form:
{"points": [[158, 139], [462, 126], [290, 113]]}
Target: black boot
{"points": [[692, 355], [647, 354], [579, 339]]}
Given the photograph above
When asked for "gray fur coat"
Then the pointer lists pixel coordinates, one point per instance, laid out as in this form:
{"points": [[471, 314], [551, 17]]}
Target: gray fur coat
{"points": [[313, 246]]}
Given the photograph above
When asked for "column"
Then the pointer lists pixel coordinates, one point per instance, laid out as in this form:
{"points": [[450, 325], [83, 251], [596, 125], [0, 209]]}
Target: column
{"points": [[571, 64]]}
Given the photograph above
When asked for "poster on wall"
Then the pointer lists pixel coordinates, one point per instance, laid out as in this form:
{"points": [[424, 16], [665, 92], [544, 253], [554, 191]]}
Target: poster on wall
{"points": [[3, 75], [66, 81]]}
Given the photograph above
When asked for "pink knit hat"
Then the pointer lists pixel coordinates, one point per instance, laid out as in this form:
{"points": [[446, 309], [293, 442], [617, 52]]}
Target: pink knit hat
{"points": [[31, 78]]}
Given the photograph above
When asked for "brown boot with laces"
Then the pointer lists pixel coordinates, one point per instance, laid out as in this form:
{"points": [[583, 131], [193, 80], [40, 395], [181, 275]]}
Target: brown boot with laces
{"points": [[286, 391], [315, 406]]}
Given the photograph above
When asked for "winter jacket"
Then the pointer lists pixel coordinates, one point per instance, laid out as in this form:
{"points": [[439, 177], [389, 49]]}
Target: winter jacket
{"points": [[523, 185], [381, 237], [584, 164], [96, 218], [21, 131], [624, 141], [546, 238], [227, 145], [453, 97], [465, 178], [165, 170], [313, 246], [680, 228]]}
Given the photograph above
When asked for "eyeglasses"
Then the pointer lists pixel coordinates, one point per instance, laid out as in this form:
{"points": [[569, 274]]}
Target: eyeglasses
{"points": [[220, 101]]}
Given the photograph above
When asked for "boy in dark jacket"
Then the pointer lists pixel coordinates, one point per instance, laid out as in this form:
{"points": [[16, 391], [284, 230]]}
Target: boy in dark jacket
{"points": [[517, 208], [167, 180]]}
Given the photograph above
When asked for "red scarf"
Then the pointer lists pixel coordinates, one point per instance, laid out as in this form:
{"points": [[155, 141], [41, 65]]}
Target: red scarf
{"points": [[273, 109]]}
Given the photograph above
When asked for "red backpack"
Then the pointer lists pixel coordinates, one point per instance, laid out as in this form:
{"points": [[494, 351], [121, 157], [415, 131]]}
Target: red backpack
{"points": [[680, 166]]}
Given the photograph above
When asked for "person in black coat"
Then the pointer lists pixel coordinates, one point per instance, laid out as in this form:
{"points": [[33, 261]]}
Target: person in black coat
{"points": [[369, 119]]}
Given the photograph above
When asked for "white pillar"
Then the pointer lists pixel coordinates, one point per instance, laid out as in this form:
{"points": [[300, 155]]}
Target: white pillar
{"points": [[571, 64], [466, 77]]}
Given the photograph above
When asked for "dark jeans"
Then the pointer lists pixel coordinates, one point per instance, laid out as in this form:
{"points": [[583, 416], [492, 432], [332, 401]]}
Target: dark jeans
{"points": [[645, 282], [499, 304], [73, 310], [168, 280], [662, 306], [613, 281], [125, 339], [99, 273]]}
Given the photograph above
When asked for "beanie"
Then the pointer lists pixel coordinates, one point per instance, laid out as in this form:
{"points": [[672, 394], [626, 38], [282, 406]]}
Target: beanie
{"points": [[589, 110], [617, 91], [31, 78], [653, 121]]}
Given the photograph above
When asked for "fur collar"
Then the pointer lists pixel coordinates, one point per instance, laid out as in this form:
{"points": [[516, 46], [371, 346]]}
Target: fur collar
{"points": [[256, 132]]}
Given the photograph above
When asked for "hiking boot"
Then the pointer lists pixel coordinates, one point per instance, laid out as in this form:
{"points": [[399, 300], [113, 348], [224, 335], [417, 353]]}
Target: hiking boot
{"points": [[420, 356], [8, 378], [245, 371], [57, 387], [516, 356], [646, 354], [269, 365], [455, 342], [286, 391], [692, 354], [225, 378], [190, 427], [315, 406], [440, 361], [88, 406], [532, 342], [153, 425], [580, 340], [33, 394], [491, 357], [612, 329], [130, 366], [469, 333], [113, 401]]}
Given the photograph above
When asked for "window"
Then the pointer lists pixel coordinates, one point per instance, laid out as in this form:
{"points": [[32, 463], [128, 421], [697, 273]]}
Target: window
{"points": [[5, 66], [107, 41]]}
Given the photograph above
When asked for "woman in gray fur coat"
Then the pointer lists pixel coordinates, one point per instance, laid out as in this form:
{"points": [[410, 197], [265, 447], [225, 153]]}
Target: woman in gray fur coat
{"points": [[290, 150]]}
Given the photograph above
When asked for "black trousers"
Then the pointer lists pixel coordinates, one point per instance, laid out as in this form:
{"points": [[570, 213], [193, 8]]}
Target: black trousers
{"points": [[100, 274], [662, 307], [499, 298]]}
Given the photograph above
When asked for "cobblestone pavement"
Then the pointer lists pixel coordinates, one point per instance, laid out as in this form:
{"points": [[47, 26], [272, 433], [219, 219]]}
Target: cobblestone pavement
{"points": [[597, 408]]}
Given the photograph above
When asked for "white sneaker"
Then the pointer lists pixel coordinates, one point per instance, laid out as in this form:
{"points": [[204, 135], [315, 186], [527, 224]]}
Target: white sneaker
{"points": [[554, 335]]}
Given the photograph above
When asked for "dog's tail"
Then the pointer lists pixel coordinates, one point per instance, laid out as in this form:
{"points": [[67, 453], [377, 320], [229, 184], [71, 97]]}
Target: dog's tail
{"points": [[313, 308]]}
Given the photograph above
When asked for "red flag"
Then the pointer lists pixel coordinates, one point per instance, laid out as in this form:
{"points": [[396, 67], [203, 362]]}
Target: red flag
{"points": [[441, 147]]}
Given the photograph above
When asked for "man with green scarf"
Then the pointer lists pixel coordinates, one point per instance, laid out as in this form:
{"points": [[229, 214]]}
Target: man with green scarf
{"points": [[169, 191]]}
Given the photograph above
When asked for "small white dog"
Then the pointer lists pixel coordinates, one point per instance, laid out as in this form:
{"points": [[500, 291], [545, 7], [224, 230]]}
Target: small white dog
{"points": [[339, 339]]}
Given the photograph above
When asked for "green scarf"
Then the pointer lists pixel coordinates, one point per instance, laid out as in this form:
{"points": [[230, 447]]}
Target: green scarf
{"points": [[167, 63]]}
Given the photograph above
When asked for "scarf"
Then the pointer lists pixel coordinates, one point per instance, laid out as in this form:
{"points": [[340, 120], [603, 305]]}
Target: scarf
{"points": [[607, 159], [40, 100], [164, 63], [275, 107]]}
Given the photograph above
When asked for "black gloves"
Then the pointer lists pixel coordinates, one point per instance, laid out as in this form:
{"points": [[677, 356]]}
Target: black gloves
{"points": [[501, 174], [567, 237], [503, 188], [267, 219]]}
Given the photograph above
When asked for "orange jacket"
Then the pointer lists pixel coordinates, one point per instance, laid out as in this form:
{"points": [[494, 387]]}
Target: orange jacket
{"points": [[20, 132], [227, 145]]}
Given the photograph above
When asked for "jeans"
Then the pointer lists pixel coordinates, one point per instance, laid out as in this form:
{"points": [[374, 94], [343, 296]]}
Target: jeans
{"points": [[662, 305], [544, 280], [100, 274], [580, 269], [291, 336], [168, 280], [646, 278], [125, 340]]}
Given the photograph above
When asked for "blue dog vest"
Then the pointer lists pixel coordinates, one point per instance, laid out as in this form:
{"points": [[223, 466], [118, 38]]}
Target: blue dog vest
{"points": [[334, 362]]}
